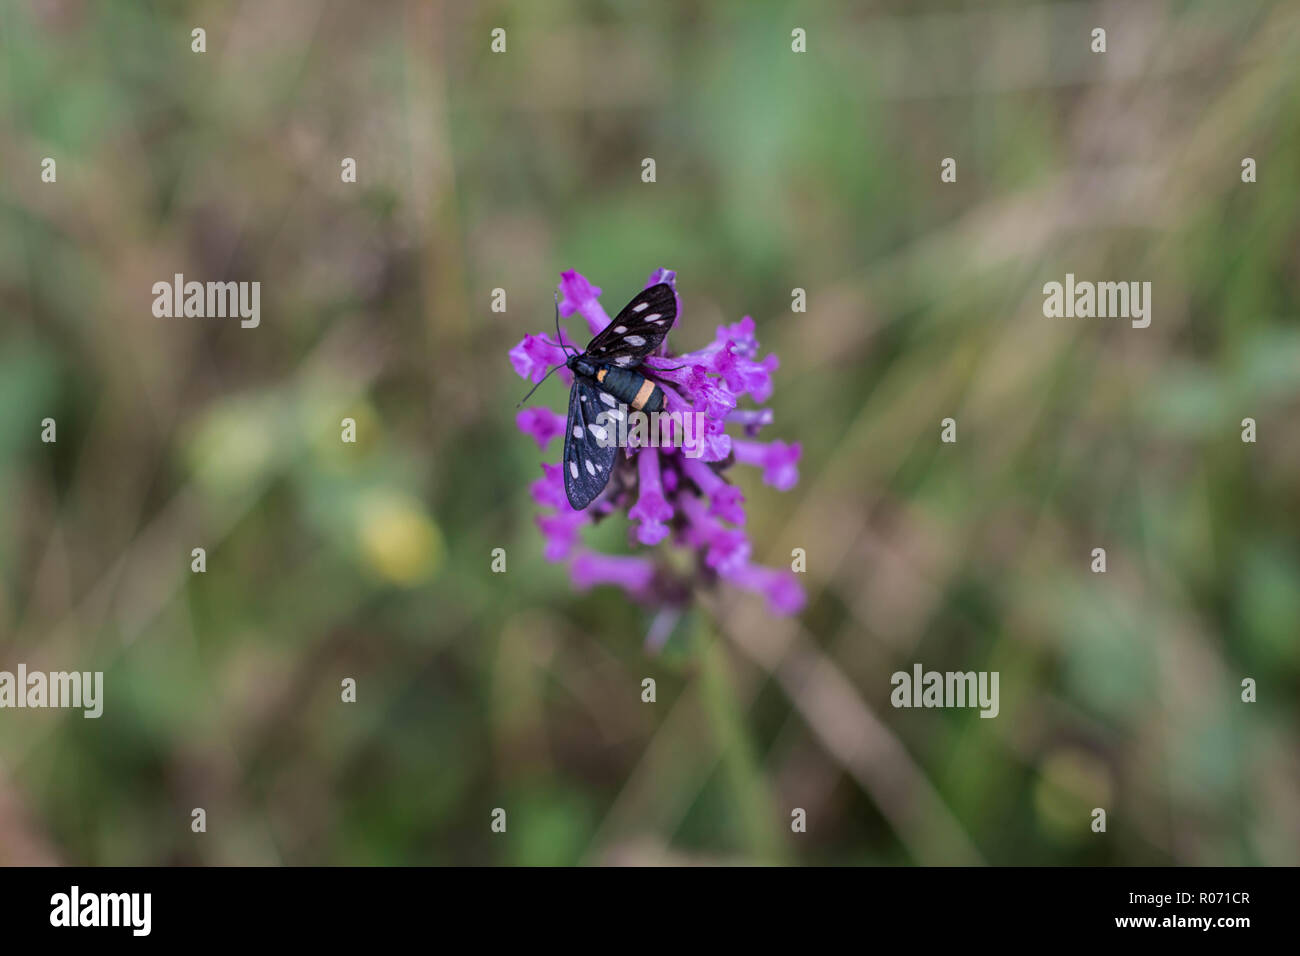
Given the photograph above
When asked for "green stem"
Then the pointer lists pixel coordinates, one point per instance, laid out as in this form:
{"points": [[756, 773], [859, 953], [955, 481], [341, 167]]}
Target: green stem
{"points": [[759, 822]]}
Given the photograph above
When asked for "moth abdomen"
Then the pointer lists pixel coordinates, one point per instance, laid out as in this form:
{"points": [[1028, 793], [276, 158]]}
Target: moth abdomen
{"points": [[631, 388]]}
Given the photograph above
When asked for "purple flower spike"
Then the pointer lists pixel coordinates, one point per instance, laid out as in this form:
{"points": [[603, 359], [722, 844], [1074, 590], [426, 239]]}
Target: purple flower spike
{"points": [[674, 495], [778, 461]]}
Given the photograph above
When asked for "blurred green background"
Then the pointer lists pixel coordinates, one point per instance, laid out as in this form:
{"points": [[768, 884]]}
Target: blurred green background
{"points": [[775, 170]]}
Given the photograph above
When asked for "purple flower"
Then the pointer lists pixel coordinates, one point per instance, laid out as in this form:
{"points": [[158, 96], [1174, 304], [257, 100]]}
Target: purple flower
{"points": [[781, 590], [534, 355], [581, 296], [752, 420], [726, 550], [778, 460], [651, 508], [540, 422], [561, 528], [724, 500], [676, 492], [743, 376], [714, 444], [632, 574]]}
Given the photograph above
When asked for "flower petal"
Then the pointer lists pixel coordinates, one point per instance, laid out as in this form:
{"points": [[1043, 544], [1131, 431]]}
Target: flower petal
{"points": [[751, 419], [724, 500], [548, 490], [579, 295], [561, 533], [651, 508], [778, 460], [632, 574], [743, 376], [669, 276], [541, 423], [534, 356], [725, 549], [784, 594]]}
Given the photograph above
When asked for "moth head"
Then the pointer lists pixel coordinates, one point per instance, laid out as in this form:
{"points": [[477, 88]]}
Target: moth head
{"points": [[582, 366]]}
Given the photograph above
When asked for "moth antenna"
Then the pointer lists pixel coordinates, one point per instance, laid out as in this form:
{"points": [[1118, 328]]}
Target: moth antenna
{"points": [[558, 337], [537, 386]]}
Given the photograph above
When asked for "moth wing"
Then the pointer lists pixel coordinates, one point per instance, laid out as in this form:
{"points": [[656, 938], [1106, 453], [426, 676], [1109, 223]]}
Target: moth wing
{"points": [[638, 329], [589, 442]]}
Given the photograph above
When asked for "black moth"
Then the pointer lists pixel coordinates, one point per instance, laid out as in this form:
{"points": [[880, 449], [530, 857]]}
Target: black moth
{"points": [[605, 380]]}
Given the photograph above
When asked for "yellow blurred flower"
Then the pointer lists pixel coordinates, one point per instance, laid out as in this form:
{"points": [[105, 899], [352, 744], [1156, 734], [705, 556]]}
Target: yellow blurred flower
{"points": [[398, 540]]}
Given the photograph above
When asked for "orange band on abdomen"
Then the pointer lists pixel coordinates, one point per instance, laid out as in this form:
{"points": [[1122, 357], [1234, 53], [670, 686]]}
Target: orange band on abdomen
{"points": [[643, 394]]}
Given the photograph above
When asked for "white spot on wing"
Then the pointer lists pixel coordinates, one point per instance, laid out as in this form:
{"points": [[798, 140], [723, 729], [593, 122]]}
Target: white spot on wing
{"points": [[622, 360], [573, 469], [620, 329], [608, 399], [652, 316], [590, 469], [577, 431], [636, 340], [640, 306]]}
